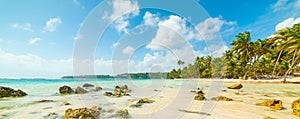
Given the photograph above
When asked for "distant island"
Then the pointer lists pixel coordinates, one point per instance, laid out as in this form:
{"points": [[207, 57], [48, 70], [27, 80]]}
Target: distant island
{"points": [[146, 75]]}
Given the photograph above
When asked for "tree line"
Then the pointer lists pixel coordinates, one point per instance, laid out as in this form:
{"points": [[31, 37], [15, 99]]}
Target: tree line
{"points": [[273, 57]]}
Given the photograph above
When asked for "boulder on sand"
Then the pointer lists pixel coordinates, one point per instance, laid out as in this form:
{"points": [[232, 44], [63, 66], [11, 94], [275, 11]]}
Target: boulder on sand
{"points": [[145, 100], [235, 86], [80, 90], [199, 95], [82, 113], [65, 90], [9, 92], [108, 94], [275, 104], [296, 107], [87, 85]]}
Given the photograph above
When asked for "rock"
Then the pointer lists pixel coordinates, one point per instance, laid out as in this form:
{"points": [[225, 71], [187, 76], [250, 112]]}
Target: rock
{"points": [[81, 113], [87, 85], [275, 104], [223, 98], [235, 86], [122, 113], [135, 104], [117, 93], [51, 115], [9, 92], [117, 87], [98, 88], [199, 95], [108, 94], [66, 103], [65, 90], [41, 101], [296, 107], [145, 100], [80, 90]]}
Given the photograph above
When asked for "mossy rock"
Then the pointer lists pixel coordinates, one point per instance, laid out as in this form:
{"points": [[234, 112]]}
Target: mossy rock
{"points": [[296, 107], [235, 86], [81, 113], [223, 98], [275, 104]]}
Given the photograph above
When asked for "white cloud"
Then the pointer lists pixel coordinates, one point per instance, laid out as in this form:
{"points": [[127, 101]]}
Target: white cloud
{"points": [[34, 40], [76, 2], [78, 37], [25, 27], [282, 5], [210, 28], [287, 23], [116, 44], [128, 50], [279, 5], [52, 24], [151, 19], [31, 66], [120, 9]]}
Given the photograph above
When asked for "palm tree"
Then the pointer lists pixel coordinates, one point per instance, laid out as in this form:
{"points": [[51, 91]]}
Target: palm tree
{"points": [[241, 46], [180, 63], [292, 46]]}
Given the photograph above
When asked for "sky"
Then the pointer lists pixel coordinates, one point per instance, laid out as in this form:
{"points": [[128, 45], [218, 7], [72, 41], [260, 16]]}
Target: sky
{"points": [[38, 39]]}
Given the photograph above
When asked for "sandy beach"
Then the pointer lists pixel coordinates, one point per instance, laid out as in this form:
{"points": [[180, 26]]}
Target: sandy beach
{"points": [[173, 99]]}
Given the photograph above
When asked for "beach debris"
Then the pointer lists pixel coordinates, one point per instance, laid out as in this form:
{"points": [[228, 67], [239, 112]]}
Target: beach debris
{"points": [[65, 90], [275, 104], [108, 94], [199, 95], [122, 113], [98, 88], [41, 101], [236, 86], [223, 98], [80, 90], [87, 85], [82, 113], [195, 112], [9, 92], [296, 107]]}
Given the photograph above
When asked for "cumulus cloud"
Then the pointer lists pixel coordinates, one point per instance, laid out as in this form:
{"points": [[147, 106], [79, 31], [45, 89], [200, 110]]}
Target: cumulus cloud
{"points": [[151, 19], [287, 23], [120, 9], [128, 50], [34, 40], [52, 24], [210, 28], [25, 27]]}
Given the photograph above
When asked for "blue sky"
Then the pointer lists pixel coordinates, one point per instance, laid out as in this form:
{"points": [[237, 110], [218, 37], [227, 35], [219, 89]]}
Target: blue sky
{"points": [[37, 38]]}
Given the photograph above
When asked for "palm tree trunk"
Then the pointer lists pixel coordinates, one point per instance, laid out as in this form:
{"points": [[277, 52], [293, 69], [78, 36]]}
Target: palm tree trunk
{"points": [[292, 65], [276, 62]]}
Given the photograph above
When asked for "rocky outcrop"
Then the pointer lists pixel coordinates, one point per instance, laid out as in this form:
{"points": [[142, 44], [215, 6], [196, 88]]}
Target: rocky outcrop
{"points": [[9, 92], [65, 90], [199, 95], [117, 93], [235, 86], [275, 104], [223, 98], [296, 107], [87, 85], [122, 113], [80, 90], [82, 113]]}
